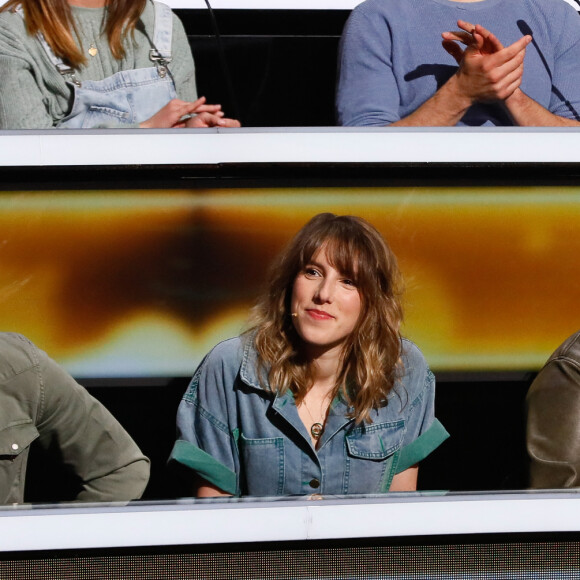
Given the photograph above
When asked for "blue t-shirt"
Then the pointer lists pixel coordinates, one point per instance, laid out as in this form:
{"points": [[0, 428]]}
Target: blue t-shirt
{"points": [[391, 58]]}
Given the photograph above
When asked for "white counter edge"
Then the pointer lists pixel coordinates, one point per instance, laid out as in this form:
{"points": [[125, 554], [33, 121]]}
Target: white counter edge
{"points": [[60, 529], [244, 146]]}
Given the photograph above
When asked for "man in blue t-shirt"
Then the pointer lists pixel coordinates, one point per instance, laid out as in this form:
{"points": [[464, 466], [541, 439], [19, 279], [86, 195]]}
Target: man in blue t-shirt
{"points": [[446, 62]]}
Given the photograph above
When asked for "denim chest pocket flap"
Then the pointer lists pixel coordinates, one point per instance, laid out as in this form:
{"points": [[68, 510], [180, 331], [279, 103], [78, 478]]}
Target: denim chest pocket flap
{"points": [[375, 441], [17, 437]]}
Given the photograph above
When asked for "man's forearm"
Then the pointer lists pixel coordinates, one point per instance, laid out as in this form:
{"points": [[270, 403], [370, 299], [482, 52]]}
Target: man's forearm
{"points": [[444, 109], [126, 483], [528, 113]]}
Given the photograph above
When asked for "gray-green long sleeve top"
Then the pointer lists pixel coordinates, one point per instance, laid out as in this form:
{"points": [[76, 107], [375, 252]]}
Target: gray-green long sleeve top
{"points": [[40, 400], [34, 95]]}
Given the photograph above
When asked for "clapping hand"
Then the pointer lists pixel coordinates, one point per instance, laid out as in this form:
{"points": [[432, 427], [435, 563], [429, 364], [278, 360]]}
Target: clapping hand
{"points": [[488, 71]]}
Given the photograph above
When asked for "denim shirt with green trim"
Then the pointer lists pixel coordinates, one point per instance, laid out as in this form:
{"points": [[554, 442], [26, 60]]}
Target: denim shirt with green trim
{"points": [[247, 440]]}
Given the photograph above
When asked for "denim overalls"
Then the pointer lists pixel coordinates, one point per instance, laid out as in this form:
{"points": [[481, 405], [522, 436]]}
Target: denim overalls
{"points": [[127, 97]]}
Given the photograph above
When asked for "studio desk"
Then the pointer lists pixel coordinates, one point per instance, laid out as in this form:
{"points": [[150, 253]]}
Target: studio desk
{"points": [[421, 535], [152, 157], [431, 535]]}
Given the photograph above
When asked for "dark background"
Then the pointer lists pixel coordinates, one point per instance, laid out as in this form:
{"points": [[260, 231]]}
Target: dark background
{"points": [[281, 63], [483, 413]]}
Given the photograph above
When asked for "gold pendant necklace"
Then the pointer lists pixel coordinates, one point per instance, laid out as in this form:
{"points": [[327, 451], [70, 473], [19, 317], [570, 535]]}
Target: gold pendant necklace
{"points": [[317, 428], [93, 50]]}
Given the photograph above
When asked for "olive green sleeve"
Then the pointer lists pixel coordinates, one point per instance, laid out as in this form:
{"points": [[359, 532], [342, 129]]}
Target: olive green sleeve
{"points": [[553, 424], [90, 440]]}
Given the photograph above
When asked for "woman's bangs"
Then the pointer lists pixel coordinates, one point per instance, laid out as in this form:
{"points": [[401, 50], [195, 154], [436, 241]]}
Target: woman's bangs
{"points": [[342, 255]]}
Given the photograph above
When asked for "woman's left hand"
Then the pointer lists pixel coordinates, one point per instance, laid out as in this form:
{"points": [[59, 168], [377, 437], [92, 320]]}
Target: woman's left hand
{"points": [[173, 113], [207, 119]]}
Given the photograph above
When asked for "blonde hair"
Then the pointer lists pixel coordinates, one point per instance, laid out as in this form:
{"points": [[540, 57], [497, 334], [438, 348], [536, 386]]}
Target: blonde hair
{"points": [[371, 353], [53, 18]]}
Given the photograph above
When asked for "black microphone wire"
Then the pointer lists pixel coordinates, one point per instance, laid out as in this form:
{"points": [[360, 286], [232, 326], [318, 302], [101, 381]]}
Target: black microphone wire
{"points": [[224, 64]]}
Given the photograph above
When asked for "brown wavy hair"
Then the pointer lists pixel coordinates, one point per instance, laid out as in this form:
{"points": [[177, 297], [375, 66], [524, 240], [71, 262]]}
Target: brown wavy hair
{"points": [[371, 354], [54, 19]]}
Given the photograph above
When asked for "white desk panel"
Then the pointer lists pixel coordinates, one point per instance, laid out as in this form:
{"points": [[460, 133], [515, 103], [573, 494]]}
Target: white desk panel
{"points": [[332, 145], [396, 515]]}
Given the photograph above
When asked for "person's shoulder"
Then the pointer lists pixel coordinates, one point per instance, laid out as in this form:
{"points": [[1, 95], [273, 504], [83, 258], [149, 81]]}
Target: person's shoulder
{"points": [[229, 352], [567, 12], [17, 355], [228, 346], [156, 3], [376, 14], [560, 5], [148, 16], [412, 355], [233, 357], [12, 25], [573, 4], [553, 10], [382, 7], [376, 6], [568, 350], [178, 27], [9, 16], [416, 376], [219, 367], [151, 6]]}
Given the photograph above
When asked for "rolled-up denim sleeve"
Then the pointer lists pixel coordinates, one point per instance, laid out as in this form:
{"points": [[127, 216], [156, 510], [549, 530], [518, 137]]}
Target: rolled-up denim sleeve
{"points": [[206, 424], [423, 431]]}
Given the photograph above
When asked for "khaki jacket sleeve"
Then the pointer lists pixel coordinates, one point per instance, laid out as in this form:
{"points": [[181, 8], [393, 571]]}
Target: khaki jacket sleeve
{"points": [[553, 420], [90, 440]]}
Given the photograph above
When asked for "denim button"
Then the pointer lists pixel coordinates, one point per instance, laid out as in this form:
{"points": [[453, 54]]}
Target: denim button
{"points": [[315, 483]]}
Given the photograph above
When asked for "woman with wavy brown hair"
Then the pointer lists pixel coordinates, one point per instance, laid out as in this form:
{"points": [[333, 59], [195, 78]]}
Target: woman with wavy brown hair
{"points": [[321, 394], [98, 64]]}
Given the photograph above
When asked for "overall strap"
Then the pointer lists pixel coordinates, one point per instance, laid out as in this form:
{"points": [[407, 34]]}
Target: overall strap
{"points": [[61, 67], [160, 54]]}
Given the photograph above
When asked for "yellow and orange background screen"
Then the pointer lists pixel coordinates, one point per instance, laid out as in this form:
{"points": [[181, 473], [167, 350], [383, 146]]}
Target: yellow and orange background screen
{"points": [[143, 283]]}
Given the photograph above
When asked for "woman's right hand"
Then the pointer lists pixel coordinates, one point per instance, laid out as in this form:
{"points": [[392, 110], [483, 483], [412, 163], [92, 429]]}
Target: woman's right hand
{"points": [[171, 116]]}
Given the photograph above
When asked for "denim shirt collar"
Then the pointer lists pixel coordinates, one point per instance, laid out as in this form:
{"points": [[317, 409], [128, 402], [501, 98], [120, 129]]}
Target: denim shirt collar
{"points": [[285, 404], [249, 366]]}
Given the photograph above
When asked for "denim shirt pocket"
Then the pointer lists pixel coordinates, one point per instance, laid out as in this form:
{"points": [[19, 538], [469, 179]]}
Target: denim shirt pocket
{"points": [[371, 456], [262, 465]]}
